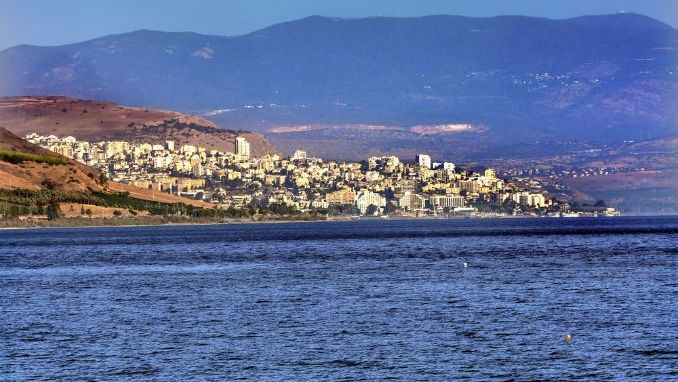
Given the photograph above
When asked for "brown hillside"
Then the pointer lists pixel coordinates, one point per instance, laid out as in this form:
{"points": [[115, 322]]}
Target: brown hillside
{"points": [[9, 141], [70, 177], [99, 120]]}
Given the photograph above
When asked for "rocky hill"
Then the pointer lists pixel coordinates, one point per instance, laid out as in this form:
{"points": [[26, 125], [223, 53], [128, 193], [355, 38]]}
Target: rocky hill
{"points": [[98, 120]]}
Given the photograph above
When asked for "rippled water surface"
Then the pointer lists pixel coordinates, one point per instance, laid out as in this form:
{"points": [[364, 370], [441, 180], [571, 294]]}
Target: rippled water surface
{"points": [[366, 300]]}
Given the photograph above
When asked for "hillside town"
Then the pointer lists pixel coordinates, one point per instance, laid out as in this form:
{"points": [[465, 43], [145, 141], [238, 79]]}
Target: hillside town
{"points": [[378, 186]]}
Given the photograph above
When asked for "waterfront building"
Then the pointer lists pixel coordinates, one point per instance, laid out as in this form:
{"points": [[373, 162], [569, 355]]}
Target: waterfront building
{"points": [[366, 198], [439, 202], [411, 202], [343, 196], [529, 199]]}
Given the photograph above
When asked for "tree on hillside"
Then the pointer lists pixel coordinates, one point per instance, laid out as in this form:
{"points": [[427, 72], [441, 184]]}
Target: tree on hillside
{"points": [[53, 211]]}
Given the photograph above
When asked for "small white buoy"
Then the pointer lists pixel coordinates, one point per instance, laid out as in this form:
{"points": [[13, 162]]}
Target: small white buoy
{"points": [[465, 265]]}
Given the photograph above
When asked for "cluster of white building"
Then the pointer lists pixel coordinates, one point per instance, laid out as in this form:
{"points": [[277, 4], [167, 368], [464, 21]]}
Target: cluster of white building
{"points": [[380, 185]]}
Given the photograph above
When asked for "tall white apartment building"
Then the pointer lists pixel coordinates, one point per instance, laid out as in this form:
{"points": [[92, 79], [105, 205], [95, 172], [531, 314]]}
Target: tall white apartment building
{"points": [[242, 148], [424, 160]]}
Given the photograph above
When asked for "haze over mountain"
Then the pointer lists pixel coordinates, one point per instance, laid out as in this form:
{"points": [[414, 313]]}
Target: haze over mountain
{"points": [[355, 87]]}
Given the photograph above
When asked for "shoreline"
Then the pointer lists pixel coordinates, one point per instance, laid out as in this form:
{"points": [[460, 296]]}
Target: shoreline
{"points": [[152, 222], [163, 222]]}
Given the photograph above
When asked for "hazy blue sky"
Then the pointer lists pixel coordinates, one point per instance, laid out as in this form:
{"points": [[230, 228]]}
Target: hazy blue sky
{"points": [[53, 22]]}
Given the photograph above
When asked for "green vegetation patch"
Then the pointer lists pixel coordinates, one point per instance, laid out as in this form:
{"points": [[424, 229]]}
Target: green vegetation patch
{"points": [[123, 200], [42, 202], [20, 156], [29, 202], [14, 203]]}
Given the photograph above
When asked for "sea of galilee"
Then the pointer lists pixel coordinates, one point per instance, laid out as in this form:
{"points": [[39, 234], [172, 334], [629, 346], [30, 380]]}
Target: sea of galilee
{"points": [[435, 300]]}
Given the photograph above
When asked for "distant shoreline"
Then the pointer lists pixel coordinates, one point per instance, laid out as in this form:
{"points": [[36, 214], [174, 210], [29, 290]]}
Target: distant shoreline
{"points": [[139, 222], [162, 221]]}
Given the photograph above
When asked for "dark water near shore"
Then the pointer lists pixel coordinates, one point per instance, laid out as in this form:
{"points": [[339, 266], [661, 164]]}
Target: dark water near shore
{"points": [[368, 300]]}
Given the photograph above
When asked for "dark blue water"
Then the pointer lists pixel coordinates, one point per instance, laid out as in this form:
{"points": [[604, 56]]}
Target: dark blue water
{"points": [[369, 300]]}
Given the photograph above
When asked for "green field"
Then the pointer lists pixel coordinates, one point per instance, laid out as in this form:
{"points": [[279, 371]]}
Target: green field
{"points": [[19, 157]]}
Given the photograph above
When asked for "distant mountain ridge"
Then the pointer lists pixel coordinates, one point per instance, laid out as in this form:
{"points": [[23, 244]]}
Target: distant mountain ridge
{"points": [[608, 77]]}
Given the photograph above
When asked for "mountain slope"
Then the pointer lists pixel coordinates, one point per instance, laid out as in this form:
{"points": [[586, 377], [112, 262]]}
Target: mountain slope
{"points": [[515, 78], [97, 120]]}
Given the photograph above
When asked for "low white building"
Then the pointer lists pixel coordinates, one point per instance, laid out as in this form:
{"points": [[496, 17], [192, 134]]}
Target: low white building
{"points": [[366, 198], [438, 202], [411, 202]]}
